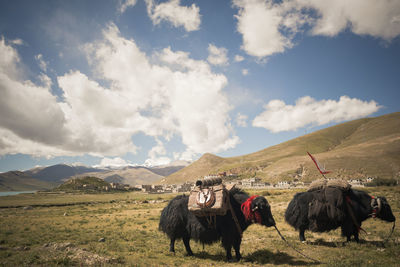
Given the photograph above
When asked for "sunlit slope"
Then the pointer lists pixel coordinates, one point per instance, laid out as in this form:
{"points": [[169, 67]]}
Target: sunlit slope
{"points": [[355, 149]]}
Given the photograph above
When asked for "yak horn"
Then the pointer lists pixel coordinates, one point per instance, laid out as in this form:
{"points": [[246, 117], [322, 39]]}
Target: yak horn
{"points": [[379, 203]]}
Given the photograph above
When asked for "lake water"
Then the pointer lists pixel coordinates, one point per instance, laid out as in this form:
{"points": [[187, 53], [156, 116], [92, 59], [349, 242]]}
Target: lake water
{"points": [[12, 193]]}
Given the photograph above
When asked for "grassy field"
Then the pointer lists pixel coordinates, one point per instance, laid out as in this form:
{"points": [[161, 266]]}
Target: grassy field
{"points": [[122, 229]]}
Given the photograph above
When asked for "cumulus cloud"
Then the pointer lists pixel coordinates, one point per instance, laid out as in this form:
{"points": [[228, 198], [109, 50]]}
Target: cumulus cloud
{"points": [[269, 27], [17, 42], [245, 72], [41, 62], [177, 96], [217, 55], [112, 162], [157, 155], [239, 58], [278, 116], [241, 120], [363, 17], [26, 109], [124, 4], [261, 24], [177, 15]]}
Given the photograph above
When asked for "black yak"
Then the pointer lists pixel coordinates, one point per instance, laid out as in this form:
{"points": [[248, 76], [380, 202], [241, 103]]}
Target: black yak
{"points": [[179, 223], [346, 210]]}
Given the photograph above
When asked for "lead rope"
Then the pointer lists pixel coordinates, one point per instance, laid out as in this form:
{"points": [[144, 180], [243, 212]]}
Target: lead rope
{"points": [[353, 217], [235, 218], [391, 232], [292, 247]]}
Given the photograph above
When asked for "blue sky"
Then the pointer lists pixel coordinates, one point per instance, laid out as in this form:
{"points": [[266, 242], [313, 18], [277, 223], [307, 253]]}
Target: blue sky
{"points": [[144, 81]]}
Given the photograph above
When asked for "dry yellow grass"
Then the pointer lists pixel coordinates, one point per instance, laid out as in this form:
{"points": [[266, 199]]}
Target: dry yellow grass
{"points": [[69, 235], [355, 149]]}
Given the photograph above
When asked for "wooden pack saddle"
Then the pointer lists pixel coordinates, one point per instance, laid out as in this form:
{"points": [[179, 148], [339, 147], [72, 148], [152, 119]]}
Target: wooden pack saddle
{"points": [[208, 200]]}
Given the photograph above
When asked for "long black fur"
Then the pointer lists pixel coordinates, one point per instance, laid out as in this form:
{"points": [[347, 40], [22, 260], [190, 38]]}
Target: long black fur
{"points": [[179, 223], [297, 212]]}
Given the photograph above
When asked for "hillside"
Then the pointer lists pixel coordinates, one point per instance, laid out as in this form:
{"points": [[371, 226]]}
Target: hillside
{"points": [[87, 183], [127, 175], [355, 149], [59, 172], [19, 181]]}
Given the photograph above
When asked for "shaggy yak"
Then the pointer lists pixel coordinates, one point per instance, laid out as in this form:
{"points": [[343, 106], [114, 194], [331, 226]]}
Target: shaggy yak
{"points": [[179, 223], [322, 211]]}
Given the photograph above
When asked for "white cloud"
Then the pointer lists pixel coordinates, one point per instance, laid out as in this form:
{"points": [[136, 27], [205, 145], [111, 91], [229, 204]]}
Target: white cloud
{"points": [[41, 62], [217, 55], [178, 102], [260, 22], [378, 18], [245, 72], [124, 4], [177, 96], [307, 111], [112, 162], [9, 60], [157, 155], [17, 42], [239, 58], [173, 12], [241, 120], [269, 27], [28, 111], [157, 161]]}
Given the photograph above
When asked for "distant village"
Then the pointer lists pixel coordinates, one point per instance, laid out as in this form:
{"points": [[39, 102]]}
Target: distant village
{"points": [[251, 183]]}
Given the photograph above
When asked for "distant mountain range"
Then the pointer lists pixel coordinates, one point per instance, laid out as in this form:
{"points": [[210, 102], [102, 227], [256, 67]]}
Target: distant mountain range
{"points": [[354, 149], [59, 172], [49, 177]]}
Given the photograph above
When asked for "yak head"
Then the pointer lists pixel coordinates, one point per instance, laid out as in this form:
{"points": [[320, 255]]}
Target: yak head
{"points": [[384, 211], [257, 209]]}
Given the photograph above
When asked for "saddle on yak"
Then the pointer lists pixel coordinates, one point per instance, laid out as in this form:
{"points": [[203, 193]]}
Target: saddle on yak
{"points": [[327, 210], [209, 198]]}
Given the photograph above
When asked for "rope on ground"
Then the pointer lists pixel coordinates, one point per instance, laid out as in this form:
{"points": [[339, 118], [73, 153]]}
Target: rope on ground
{"points": [[391, 232], [298, 251]]}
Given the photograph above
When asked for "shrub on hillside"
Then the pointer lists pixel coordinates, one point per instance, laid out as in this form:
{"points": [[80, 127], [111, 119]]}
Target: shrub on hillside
{"points": [[383, 182]]}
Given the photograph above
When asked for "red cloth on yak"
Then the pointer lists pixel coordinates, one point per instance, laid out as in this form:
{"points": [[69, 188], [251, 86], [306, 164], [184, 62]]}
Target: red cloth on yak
{"points": [[248, 213]]}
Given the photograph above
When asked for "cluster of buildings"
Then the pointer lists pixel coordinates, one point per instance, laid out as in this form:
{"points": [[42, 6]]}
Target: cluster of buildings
{"points": [[251, 183], [170, 188]]}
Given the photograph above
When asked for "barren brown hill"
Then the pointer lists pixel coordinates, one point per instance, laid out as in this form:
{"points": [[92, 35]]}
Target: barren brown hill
{"points": [[128, 175], [355, 149]]}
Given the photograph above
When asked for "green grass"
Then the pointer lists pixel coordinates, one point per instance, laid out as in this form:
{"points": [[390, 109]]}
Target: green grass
{"points": [[44, 236]]}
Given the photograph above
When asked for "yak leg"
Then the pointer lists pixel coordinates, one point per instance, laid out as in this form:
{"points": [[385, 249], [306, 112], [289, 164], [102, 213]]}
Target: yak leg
{"points": [[228, 249], [172, 245], [227, 241], [355, 233], [301, 235], [348, 230], [236, 246], [227, 244], [186, 241]]}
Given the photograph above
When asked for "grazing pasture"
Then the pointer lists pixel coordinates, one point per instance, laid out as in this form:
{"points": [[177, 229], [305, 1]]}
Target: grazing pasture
{"points": [[122, 229]]}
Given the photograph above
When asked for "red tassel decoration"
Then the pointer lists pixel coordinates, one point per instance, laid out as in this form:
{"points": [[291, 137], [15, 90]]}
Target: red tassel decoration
{"points": [[248, 213]]}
